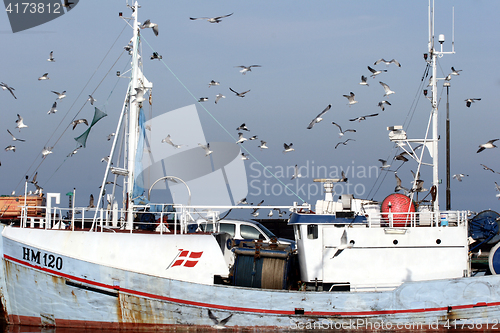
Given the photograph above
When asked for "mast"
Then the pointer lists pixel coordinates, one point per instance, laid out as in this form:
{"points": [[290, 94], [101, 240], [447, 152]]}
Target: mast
{"points": [[133, 117]]}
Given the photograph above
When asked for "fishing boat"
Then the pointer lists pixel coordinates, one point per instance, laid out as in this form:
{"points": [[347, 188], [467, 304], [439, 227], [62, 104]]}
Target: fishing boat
{"points": [[355, 263]]}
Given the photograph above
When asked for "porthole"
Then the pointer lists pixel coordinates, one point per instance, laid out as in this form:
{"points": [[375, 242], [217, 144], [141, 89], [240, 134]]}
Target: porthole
{"points": [[395, 242], [438, 241]]}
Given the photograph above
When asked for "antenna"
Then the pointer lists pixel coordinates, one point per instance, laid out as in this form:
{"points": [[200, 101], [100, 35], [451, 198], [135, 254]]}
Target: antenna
{"points": [[453, 29]]}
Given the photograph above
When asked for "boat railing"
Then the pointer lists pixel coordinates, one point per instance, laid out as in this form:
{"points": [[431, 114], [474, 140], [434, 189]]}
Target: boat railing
{"points": [[162, 218], [418, 219]]}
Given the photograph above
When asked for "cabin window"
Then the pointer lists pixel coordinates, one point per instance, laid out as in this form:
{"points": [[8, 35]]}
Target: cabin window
{"points": [[312, 231]]}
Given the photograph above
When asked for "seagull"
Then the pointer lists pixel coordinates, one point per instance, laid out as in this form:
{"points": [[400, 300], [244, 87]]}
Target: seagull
{"points": [[213, 83], [10, 89], [33, 180], [398, 184], [363, 81], [296, 173], [60, 95], [288, 148], [343, 142], [350, 98], [91, 202], [67, 4], [469, 101], [51, 57], [79, 121], [486, 145], [341, 134], [401, 157], [239, 94], [263, 145], [498, 189], [343, 244], [245, 69], [487, 168], [218, 323], [270, 214], [169, 141], [344, 178], [244, 157], [384, 164], [206, 148], [392, 61], [91, 100], [381, 104], [218, 96], [216, 19], [253, 138], [53, 108], [156, 56], [14, 138], [110, 136], [148, 24], [388, 90], [363, 117], [459, 176], [105, 159], [203, 99], [46, 151], [44, 77], [241, 138], [255, 212], [20, 123], [74, 151], [376, 72], [10, 147], [319, 117], [139, 96], [419, 186], [448, 77], [243, 127], [455, 71], [243, 201]]}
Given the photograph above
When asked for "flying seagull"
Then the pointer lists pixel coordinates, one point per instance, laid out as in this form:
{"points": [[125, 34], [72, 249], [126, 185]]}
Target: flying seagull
{"points": [[10, 89], [79, 121], [110, 136], [60, 95], [255, 212], [296, 173], [67, 4], [319, 117], [14, 138], [341, 134], [376, 72], [44, 77], [169, 141], [455, 71], [91, 100], [384, 164], [254, 137], [392, 61], [74, 151], [206, 148], [387, 89], [343, 143], [487, 168], [20, 123], [239, 94], [343, 244], [363, 81], [156, 56], [469, 101], [243, 127], [245, 69], [149, 24], [288, 148], [203, 99], [459, 176], [486, 145], [53, 108], [244, 157], [216, 19], [350, 98], [10, 147], [46, 151], [363, 117], [218, 97], [263, 145], [398, 184], [213, 83], [381, 104], [401, 157], [241, 139], [51, 57]]}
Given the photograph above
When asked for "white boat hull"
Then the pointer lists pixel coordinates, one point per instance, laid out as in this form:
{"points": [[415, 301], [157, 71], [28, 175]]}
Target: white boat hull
{"points": [[80, 293]]}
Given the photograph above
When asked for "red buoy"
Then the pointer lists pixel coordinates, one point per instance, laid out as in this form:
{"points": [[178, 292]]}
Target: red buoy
{"points": [[397, 203]]}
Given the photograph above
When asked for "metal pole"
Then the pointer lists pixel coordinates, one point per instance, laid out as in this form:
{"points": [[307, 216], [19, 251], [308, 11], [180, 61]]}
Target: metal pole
{"points": [[448, 190]]}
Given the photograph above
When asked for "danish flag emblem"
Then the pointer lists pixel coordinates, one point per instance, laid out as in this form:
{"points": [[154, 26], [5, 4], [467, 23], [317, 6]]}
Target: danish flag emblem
{"points": [[187, 258]]}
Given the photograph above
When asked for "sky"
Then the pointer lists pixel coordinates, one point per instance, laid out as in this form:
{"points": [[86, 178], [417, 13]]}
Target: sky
{"points": [[310, 53]]}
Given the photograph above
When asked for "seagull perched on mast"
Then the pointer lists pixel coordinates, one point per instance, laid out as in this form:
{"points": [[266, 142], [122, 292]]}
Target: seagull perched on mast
{"points": [[149, 24], [486, 145], [216, 19], [319, 118], [10, 89], [245, 69]]}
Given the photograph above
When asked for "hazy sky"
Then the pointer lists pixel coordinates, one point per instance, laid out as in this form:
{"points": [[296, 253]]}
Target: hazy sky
{"points": [[311, 54]]}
